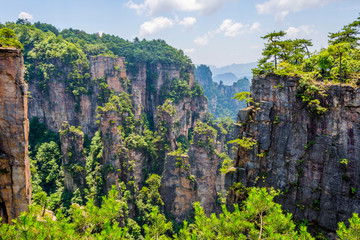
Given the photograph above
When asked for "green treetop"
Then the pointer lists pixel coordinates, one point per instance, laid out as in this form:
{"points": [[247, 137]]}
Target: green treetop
{"points": [[349, 34], [273, 47], [8, 38]]}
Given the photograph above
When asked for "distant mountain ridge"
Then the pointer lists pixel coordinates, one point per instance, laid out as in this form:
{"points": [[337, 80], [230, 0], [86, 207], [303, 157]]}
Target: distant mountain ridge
{"points": [[227, 78], [219, 95], [240, 70]]}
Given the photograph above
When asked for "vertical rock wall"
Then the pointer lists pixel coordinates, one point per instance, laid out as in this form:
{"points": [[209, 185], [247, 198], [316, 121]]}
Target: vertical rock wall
{"points": [[195, 176], [15, 192], [313, 159], [73, 161], [58, 104]]}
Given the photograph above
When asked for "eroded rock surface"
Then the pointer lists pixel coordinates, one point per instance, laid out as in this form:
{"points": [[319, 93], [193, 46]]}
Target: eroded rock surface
{"points": [[15, 189], [312, 159], [73, 160], [195, 176]]}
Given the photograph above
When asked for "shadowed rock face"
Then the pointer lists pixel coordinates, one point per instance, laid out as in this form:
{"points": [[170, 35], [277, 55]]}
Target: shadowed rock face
{"points": [[194, 177], [302, 153], [14, 127]]}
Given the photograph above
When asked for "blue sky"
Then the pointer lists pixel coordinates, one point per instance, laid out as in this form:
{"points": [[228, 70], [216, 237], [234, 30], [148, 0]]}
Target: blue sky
{"points": [[215, 32]]}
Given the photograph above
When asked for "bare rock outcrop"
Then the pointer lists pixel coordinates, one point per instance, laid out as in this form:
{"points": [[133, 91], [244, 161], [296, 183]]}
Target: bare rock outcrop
{"points": [[195, 176], [312, 159], [58, 104], [73, 160], [15, 189]]}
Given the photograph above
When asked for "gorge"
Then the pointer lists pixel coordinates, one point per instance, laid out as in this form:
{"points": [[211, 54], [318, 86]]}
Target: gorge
{"points": [[121, 144]]}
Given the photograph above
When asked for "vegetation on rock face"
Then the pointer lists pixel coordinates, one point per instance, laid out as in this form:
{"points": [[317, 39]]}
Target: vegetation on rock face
{"points": [[130, 213], [46, 49], [247, 143], [205, 136], [338, 63]]}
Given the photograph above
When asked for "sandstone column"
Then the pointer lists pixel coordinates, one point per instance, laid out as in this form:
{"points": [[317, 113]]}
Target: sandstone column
{"points": [[15, 189]]}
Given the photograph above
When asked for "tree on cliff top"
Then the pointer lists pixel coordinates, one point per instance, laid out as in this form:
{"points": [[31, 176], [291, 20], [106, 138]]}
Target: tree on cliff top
{"points": [[8, 38], [348, 34], [273, 47], [277, 50]]}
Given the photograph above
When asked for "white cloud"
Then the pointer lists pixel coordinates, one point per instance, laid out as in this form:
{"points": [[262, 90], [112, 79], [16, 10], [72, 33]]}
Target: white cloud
{"points": [[25, 15], [281, 8], [255, 27], [188, 22], [154, 7], [292, 32], [304, 30], [230, 28], [204, 40], [155, 25], [189, 50]]}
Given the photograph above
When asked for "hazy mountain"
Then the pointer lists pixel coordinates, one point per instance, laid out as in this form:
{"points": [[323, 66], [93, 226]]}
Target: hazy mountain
{"points": [[239, 70], [227, 78], [220, 101]]}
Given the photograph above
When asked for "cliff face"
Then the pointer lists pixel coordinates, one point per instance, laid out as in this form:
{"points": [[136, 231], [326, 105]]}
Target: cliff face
{"points": [[57, 104], [15, 190], [107, 77], [195, 176], [72, 140], [312, 159]]}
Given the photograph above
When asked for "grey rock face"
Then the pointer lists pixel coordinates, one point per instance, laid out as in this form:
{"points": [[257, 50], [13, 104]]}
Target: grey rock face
{"points": [[301, 153]]}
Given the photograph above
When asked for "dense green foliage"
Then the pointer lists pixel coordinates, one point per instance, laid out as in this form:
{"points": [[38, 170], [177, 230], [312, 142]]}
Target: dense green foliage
{"points": [[258, 217], [8, 38], [48, 51], [352, 232]]}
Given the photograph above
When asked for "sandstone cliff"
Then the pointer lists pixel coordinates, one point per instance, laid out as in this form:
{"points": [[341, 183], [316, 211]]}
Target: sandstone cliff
{"points": [[73, 160], [95, 109], [57, 103], [15, 192], [195, 176], [312, 159]]}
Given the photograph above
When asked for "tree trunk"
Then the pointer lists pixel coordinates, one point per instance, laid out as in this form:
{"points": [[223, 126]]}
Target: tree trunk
{"points": [[340, 68], [275, 63]]}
